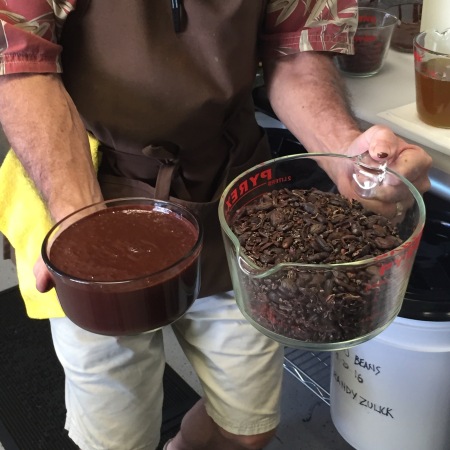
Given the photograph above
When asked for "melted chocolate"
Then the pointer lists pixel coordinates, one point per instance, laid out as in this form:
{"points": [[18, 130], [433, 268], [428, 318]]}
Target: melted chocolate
{"points": [[126, 270]]}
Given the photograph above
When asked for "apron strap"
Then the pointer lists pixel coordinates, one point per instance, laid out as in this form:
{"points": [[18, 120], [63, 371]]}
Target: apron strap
{"points": [[168, 175]]}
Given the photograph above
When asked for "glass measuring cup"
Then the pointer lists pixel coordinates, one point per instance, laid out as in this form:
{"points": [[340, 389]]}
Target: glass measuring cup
{"points": [[317, 306], [372, 41]]}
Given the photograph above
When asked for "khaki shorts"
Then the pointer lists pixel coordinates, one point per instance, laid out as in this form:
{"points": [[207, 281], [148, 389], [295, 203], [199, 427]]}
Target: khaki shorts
{"points": [[114, 384]]}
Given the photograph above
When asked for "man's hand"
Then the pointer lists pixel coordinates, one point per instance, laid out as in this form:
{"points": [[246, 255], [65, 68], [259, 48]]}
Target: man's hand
{"points": [[44, 281], [308, 95], [392, 196], [406, 159]]}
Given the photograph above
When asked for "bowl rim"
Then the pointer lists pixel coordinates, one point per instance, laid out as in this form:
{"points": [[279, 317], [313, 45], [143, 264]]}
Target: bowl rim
{"points": [[393, 19], [419, 46], [193, 253], [258, 272]]}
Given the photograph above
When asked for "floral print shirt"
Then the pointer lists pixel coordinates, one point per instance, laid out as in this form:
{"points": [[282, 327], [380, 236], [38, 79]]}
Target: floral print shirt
{"points": [[30, 29]]}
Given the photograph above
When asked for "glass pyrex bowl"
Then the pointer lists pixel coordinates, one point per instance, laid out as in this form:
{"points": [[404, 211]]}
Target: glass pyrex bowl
{"points": [[313, 305], [125, 266]]}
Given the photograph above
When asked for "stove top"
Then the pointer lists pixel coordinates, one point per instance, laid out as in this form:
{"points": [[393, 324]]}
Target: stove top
{"points": [[428, 293]]}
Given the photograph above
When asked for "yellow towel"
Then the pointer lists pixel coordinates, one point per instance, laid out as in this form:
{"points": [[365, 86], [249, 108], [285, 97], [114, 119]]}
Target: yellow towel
{"points": [[25, 221]]}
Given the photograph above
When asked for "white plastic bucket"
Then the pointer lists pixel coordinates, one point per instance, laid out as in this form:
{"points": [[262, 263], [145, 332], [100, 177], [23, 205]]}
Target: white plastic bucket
{"points": [[393, 392]]}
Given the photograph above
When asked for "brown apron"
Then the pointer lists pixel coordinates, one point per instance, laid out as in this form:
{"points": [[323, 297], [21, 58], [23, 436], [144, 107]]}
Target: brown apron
{"points": [[173, 111]]}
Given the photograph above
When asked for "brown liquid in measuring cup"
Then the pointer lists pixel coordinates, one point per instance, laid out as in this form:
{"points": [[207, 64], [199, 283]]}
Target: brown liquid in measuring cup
{"points": [[433, 93], [119, 244]]}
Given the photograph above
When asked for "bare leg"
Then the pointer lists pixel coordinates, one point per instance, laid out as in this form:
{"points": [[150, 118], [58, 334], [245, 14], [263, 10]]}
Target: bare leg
{"points": [[199, 432]]}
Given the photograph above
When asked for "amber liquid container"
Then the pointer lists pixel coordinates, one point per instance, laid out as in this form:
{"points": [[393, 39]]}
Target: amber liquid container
{"points": [[432, 73], [433, 94]]}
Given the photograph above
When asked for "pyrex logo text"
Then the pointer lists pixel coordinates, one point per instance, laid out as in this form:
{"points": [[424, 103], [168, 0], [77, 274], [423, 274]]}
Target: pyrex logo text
{"points": [[247, 185]]}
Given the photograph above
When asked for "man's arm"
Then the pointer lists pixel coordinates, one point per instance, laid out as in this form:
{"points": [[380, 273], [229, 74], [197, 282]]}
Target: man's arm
{"points": [[308, 95], [43, 127]]}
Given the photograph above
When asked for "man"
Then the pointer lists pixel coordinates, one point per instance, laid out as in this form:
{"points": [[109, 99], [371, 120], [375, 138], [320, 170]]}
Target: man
{"points": [[165, 88]]}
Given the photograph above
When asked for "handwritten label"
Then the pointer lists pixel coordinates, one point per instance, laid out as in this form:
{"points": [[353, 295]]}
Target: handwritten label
{"points": [[361, 399], [361, 362], [351, 366]]}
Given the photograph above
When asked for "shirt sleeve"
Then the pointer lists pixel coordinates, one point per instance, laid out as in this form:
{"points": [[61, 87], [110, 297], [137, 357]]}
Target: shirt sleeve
{"points": [[29, 35], [293, 26]]}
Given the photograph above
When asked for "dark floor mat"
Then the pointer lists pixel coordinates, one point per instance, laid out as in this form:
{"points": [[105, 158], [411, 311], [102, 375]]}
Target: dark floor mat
{"points": [[32, 407]]}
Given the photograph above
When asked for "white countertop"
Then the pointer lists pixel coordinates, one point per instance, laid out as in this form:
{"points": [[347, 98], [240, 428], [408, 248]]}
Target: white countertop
{"points": [[393, 86]]}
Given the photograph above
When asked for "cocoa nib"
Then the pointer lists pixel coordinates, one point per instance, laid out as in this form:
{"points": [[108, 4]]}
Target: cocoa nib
{"points": [[314, 227]]}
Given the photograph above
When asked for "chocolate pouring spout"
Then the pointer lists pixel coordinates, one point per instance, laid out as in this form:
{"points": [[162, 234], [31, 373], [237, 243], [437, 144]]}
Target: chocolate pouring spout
{"points": [[367, 175]]}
